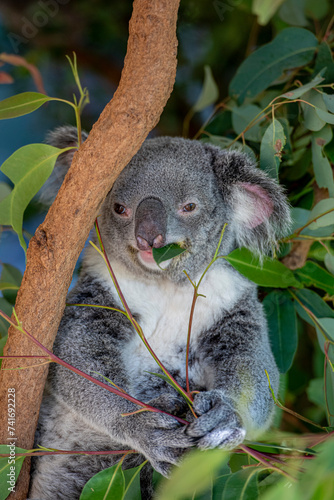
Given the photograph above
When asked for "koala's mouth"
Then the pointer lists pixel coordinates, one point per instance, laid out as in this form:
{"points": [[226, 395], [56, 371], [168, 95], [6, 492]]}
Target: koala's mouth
{"points": [[146, 256]]}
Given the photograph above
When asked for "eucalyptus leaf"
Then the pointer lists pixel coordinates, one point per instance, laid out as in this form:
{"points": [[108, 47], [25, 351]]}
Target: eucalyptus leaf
{"points": [[265, 9], [329, 101], [314, 275], [325, 116], [270, 273], [313, 102], [5, 190], [8, 286], [282, 323], [109, 484], [209, 93], [3, 341], [7, 308], [323, 212], [324, 60], [330, 388], [241, 118], [296, 93], [10, 274], [292, 47], [329, 262], [316, 482], [316, 392], [293, 12], [242, 485], [194, 474], [313, 303], [167, 252], [317, 10], [6, 466], [300, 217], [28, 168], [272, 145], [132, 483], [321, 165], [325, 331], [22, 104]]}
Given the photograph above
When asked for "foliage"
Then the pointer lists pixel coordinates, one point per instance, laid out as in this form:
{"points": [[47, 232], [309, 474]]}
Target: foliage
{"points": [[280, 110]]}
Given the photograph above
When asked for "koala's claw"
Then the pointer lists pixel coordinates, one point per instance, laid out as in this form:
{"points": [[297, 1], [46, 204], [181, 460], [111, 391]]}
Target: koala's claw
{"points": [[225, 438], [218, 424]]}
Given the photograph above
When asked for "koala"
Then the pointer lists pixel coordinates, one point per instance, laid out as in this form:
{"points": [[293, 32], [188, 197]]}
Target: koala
{"points": [[181, 191]]}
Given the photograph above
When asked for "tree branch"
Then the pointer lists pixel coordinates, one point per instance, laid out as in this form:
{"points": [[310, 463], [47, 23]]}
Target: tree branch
{"points": [[146, 83]]}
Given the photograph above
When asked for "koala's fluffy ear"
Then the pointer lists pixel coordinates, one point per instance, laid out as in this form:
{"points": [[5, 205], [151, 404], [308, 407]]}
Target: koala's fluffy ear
{"points": [[260, 212], [61, 137]]}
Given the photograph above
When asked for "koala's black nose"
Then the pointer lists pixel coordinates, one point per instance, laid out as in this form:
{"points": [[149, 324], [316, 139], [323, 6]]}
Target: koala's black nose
{"points": [[150, 224]]}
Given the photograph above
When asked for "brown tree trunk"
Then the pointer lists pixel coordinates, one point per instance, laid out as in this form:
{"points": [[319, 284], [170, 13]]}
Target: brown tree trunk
{"points": [[146, 83]]}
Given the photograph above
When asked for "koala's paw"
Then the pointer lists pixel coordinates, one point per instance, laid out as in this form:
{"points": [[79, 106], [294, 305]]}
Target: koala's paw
{"points": [[160, 437], [218, 424]]}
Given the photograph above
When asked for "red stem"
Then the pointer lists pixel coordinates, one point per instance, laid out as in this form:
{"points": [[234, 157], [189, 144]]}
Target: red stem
{"points": [[134, 322], [85, 375]]}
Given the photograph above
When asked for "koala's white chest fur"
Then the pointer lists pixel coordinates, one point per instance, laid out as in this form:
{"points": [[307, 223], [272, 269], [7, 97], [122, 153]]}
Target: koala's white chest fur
{"points": [[164, 311]]}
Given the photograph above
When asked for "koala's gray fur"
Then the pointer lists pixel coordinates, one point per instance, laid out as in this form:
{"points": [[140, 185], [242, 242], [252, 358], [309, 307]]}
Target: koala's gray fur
{"points": [[229, 349]]}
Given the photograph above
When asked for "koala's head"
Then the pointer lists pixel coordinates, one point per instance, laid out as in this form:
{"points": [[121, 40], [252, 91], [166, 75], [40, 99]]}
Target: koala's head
{"points": [[182, 191]]}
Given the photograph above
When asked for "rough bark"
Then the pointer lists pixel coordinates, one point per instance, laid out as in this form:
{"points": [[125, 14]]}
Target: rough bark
{"points": [[146, 83]]}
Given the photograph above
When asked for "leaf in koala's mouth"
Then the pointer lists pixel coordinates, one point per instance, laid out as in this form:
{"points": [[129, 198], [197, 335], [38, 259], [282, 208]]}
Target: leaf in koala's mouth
{"points": [[167, 252]]}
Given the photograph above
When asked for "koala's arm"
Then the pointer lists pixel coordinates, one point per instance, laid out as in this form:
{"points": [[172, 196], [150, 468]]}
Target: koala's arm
{"points": [[238, 403], [95, 340]]}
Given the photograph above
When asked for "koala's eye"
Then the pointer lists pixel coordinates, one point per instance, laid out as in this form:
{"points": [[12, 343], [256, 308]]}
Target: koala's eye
{"points": [[119, 209], [190, 207]]}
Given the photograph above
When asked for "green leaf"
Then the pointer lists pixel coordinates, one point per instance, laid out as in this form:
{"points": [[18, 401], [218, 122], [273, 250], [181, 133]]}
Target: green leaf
{"points": [[132, 483], [194, 474], [323, 212], [242, 485], [7, 466], [292, 47], [300, 217], [296, 93], [316, 393], [314, 303], [265, 9], [312, 120], [271, 273], [314, 275], [330, 387], [293, 12], [324, 60], [109, 484], [28, 168], [329, 262], [321, 165], [325, 116], [10, 274], [8, 286], [329, 101], [327, 326], [5, 190], [272, 146], [209, 93], [7, 308], [3, 341], [282, 323], [316, 482], [22, 104], [241, 118], [317, 10], [167, 252]]}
